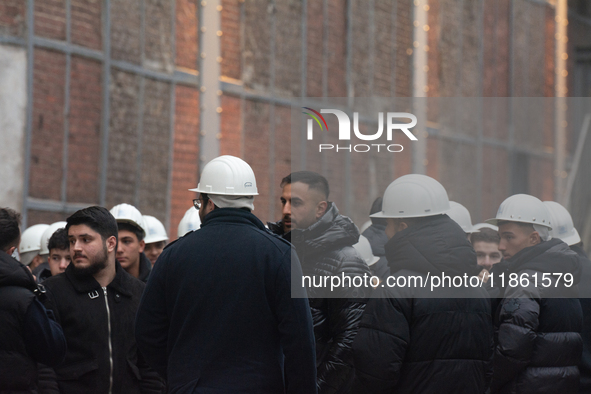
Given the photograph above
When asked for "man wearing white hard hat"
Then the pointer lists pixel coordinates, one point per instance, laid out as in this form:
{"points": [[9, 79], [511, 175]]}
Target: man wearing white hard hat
{"points": [[412, 339], [43, 271], [189, 222], [31, 245], [218, 313], [564, 228], [131, 244], [539, 317], [156, 238]]}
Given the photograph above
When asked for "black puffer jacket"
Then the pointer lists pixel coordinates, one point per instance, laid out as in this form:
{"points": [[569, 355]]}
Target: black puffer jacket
{"points": [[27, 334], [585, 299], [412, 340], [324, 249], [538, 340]]}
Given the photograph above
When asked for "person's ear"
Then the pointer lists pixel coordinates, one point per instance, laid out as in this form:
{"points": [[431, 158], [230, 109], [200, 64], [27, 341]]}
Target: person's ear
{"points": [[321, 209], [142, 245], [10, 251], [534, 238], [111, 243], [402, 226]]}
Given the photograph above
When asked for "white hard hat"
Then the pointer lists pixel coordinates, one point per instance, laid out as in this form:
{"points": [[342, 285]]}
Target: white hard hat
{"points": [[522, 208], [227, 175], [461, 216], [364, 249], [47, 234], [478, 226], [562, 224], [155, 231], [31, 238], [190, 222], [412, 196], [125, 213]]}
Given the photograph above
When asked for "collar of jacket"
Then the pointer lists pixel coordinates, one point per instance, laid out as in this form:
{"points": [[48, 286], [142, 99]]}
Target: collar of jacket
{"points": [[277, 229], [435, 246], [232, 215], [332, 231], [145, 267], [13, 273], [84, 285], [549, 256]]}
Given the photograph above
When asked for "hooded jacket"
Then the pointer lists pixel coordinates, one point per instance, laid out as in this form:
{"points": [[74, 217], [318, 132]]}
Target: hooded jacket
{"points": [[325, 249], [537, 328], [27, 333], [413, 340], [98, 324]]}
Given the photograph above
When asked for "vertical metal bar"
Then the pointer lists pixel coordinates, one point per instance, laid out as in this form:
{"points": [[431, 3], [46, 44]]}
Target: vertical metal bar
{"points": [[511, 152], [271, 204], [304, 82], [420, 59], [394, 47], [461, 55], [29, 125], [350, 99], [140, 143], [242, 98], [140, 117], [561, 104], [106, 101], [64, 185], [171, 119], [371, 43], [325, 31], [479, 149]]}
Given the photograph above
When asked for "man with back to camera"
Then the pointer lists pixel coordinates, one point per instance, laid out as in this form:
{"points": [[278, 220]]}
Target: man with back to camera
{"points": [[28, 332], [538, 325], [96, 301], [412, 339], [131, 245], [219, 314], [323, 239]]}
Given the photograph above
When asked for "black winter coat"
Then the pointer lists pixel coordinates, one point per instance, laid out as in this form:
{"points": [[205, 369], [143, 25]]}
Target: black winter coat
{"points": [[93, 321], [376, 235], [410, 342], [585, 299], [324, 249], [219, 316], [27, 332], [538, 340]]}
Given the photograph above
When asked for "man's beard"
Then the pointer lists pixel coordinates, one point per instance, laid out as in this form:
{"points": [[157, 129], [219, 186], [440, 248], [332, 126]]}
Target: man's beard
{"points": [[97, 264]]}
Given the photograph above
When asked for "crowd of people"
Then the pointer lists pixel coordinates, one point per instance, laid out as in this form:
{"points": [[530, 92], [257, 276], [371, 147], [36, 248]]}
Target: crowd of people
{"points": [[101, 303]]}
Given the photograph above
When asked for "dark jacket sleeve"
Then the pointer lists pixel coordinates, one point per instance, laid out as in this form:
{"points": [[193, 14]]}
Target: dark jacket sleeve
{"points": [[295, 326], [381, 344], [47, 382], [518, 323], [152, 323], [43, 336]]}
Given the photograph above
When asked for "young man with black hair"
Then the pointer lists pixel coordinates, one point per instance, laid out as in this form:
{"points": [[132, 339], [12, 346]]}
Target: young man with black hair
{"points": [[96, 301], [130, 250], [324, 242], [59, 252], [486, 244], [28, 333]]}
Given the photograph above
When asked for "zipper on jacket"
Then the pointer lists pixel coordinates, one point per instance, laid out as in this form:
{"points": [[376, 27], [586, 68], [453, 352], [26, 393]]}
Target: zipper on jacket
{"points": [[110, 343]]}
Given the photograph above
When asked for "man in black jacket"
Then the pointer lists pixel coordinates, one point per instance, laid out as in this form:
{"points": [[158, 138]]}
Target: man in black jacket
{"points": [[323, 239], [539, 319], [218, 314], [28, 333], [95, 301], [413, 339]]}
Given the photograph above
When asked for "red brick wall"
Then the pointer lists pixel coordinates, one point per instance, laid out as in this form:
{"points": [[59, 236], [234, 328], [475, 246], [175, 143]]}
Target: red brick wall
{"points": [[86, 23], [185, 168], [13, 14], [48, 125], [84, 142], [231, 126], [230, 41], [186, 34], [50, 19]]}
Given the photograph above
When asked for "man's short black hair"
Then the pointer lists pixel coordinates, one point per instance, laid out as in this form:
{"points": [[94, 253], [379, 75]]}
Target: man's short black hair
{"points": [[131, 228], [99, 219], [313, 179], [486, 235], [10, 233], [59, 240]]}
